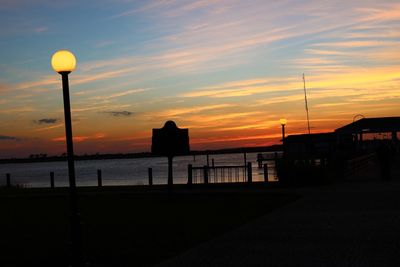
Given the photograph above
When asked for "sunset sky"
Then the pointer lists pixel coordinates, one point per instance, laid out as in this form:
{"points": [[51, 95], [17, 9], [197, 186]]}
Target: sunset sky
{"points": [[226, 69]]}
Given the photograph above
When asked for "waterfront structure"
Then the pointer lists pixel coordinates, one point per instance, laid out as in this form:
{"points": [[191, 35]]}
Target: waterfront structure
{"points": [[361, 134], [366, 130], [319, 157]]}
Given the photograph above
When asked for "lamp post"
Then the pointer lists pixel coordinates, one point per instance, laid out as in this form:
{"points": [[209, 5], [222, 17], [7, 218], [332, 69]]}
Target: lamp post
{"points": [[64, 63], [283, 123]]}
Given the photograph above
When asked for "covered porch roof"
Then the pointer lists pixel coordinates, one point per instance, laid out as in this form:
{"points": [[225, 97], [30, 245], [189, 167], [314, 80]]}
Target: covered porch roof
{"points": [[371, 125]]}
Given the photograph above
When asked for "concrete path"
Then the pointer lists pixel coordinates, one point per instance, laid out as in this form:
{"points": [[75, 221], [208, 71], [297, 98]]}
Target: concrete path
{"points": [[354, 223]]}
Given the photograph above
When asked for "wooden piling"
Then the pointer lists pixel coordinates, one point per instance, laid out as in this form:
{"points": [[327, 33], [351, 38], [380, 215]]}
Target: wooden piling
{"points": [[249, 173], [99, 179], [190, 174], [205, 174], [150, 171], [8, 179], [52, 179], [266, 172]]}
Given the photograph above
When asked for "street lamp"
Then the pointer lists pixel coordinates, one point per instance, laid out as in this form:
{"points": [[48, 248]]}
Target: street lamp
{"points": [[64, 63], [283, 123]]}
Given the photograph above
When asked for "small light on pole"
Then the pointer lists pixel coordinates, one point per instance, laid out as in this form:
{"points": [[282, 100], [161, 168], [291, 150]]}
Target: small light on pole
{"points": [[283, 123], [64, 62]]}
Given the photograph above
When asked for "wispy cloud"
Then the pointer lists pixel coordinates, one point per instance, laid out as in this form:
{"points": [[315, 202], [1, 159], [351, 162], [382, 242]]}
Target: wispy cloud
{"points": [[356, 44], [199, 121], [48, 128], [43, 82], [123, 113], [41, 29], [151, 5], [380, 13], [104, 44], [98, 107], [17, 110], [120, 94], [180, 112], [7, 138], [46, 121], [244, 88]]}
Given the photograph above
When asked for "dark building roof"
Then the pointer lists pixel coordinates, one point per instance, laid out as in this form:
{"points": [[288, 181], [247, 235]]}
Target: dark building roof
{"points": [[371, 125], [317, 137]]}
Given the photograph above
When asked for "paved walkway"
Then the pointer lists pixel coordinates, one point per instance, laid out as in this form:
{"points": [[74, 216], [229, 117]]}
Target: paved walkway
{"points": [[354, 223]]}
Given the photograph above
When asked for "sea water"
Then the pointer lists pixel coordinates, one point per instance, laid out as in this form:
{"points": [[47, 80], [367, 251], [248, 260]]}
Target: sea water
{"points": [[123, 171]]}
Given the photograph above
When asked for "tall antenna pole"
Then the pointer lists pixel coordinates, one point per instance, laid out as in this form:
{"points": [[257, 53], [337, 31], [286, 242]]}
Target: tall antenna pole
{"points": [[305, 99]]}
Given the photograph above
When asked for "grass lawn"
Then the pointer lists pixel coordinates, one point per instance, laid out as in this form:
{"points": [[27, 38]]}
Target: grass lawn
{"points": [[121, 228]]}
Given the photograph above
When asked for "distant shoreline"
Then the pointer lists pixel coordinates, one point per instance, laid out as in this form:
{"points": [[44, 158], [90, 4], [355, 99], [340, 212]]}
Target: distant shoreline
{"points": [[272, 148]]}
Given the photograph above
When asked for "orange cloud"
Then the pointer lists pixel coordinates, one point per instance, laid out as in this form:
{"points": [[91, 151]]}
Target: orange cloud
{"points": [[184, 111], [81, 138], [49, 128], [386, 13]]}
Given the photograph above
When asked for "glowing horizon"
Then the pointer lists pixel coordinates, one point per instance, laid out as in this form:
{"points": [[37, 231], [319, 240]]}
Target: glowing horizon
{"points": [[227, 70]]}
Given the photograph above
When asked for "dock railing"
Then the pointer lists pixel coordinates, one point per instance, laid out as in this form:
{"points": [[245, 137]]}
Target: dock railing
{"points": [[261, 157], [357, 164], [220, 174]]}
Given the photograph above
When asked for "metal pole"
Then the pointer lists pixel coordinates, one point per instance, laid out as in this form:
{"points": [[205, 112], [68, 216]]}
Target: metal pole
{"points": [[76, 232], [305, 100], [283, 133]]}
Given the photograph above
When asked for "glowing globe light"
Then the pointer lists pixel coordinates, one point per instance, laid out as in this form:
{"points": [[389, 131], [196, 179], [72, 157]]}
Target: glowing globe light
{"points": [[63, 61], [283, 121]]}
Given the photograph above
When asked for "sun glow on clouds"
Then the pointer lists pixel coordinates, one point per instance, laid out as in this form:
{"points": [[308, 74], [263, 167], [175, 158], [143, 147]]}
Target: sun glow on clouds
{"points": [[81, 138], [227, 70]]}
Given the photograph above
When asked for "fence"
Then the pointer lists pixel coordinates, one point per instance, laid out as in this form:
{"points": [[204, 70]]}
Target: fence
{"points": [[195, 175], [220, 174], [267, 157], [52, 183]]}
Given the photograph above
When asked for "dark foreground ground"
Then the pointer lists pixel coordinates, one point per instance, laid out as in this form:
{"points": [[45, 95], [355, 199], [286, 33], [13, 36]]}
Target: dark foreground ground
{"points": [[352, 223], [124, 226]]}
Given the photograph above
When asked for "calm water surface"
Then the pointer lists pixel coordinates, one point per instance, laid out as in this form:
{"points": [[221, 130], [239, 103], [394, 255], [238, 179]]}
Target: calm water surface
{"points": [[121, 171]]}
